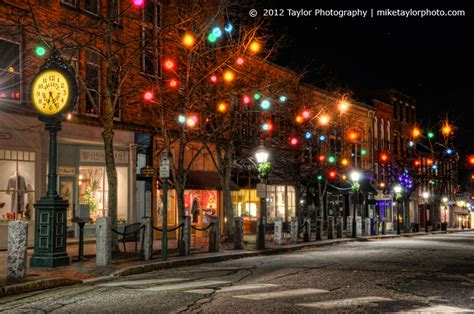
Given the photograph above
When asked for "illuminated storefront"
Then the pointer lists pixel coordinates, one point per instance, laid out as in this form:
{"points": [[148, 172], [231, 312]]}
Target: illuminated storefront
{"points": [[281, 202]]}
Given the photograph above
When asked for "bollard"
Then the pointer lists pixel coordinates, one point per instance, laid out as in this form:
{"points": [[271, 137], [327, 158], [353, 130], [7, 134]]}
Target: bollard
{"points": [[349, 226], [17, 249], [366, 229], [319, 229], [185, 237], [339, 227], [294, 230], [103, 240], [278, 232], [148, 238], [214, 234], [330, 227], [384, 227], [307, 230], [358, 226], [239, 233]]}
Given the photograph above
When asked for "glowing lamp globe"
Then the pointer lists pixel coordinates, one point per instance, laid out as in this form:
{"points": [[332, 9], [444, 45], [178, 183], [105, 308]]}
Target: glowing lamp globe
{"points": [[217, 32], [344, 162], [255, 47], [355, 176], [416, 132], [211, 38], [222, 107], [229, 76], [343, 106], [188, 40], [397, 189], [169, 64], [265, 104], [261, 154], [40, 51], [138, 3], [148, 95], [228, 28], [191, 121], [173, 83], [324, 119]]}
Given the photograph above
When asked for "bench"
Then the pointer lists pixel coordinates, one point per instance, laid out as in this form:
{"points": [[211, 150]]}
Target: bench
{"points": [[131, 234]]}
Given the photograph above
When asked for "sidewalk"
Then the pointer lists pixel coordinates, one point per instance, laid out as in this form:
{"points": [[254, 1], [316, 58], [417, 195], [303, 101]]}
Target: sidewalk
{"points": [[125, 264]]}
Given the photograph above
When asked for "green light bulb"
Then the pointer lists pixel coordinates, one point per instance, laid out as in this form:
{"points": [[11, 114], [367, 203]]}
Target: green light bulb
{"points": [[40, 51]]}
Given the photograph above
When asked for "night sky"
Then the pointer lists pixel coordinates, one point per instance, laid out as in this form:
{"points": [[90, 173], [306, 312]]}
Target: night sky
{"points": [[428, 58]]}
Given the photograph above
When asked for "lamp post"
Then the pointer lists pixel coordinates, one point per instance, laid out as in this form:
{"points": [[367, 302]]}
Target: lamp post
{"points": [[355, 177], [398, 189], [262, 157], [425, 195]]}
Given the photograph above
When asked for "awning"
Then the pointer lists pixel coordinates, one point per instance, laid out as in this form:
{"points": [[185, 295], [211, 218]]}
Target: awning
{"points": [[206, 180]]}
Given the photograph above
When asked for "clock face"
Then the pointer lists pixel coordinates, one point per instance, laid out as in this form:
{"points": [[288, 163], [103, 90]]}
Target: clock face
{"points": [[50, 92]]}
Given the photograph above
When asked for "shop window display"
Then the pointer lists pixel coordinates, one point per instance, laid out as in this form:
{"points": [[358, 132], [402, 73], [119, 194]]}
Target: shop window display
{"points": [[200, 204], [94, 188], [17, 193]]}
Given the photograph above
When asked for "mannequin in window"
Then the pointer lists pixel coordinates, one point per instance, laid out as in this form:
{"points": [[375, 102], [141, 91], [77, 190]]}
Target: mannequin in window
{"points": [[195, 210], [16, 187]]}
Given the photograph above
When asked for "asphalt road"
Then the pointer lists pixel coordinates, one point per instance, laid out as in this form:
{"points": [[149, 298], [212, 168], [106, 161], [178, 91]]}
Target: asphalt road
{"points": [[432, 273]]}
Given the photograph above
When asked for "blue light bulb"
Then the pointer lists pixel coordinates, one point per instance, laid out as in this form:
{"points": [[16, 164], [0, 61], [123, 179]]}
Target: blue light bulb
{"points": [[228, 28], [217, 31], [308, 135]]}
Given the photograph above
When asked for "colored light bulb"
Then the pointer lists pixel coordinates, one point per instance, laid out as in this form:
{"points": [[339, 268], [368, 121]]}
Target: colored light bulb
{"points": [[265, 104], [40, 51], [282, 98], [217, 32], [181, 119], [228, 28]]}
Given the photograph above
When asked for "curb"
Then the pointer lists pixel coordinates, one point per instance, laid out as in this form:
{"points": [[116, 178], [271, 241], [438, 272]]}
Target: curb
{"points": [[42, 284]]}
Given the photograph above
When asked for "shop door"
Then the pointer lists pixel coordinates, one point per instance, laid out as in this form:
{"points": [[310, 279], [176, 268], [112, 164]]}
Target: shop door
{"points": [[144, 199], [67, 192]]}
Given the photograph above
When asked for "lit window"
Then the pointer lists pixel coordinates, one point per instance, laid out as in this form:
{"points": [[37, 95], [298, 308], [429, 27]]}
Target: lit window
{"points": [[10, 71]]}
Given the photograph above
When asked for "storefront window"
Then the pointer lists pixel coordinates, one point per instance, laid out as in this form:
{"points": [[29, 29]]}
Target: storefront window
{"points": [[17, 184], [200, 204], [245, 203], [94, 188], [172, 208]]}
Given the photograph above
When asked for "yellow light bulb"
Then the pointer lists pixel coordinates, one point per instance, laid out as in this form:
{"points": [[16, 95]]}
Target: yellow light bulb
{"points": [[229, 76], [188, 40], [255, 46]]}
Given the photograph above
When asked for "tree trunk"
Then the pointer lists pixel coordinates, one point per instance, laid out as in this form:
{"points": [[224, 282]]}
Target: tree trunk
{"points": [[229, 212], [108, 136]]}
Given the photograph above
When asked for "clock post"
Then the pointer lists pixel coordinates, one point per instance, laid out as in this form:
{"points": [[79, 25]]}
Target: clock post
{"points": [[51, 209]]}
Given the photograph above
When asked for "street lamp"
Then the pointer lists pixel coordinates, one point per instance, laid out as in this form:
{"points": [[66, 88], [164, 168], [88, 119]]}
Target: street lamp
{"points": [[355, 177], [398, 189], [425, 195], [262, 156]]}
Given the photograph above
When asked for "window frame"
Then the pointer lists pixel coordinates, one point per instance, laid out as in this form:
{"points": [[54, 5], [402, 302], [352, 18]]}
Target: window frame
{"points": [[75, 5], [99, 105], [20, 72], [154, 26], [92, 12]]}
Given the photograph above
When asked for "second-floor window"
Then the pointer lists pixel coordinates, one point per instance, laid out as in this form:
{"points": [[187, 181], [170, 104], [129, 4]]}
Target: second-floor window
{"points": [[72, 3], [10, 71], [151, 23], [92, 6], [376, 134], [93, 82]]}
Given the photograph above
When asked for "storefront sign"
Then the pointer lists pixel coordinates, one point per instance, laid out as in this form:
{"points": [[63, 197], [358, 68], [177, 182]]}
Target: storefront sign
{"points": [[164, 168], [67, 171], [97, 155], [383, 197], [261, 190]]}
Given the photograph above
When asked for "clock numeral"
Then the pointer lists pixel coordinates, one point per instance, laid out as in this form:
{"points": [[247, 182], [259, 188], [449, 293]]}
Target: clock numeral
{"points": [[45, 80]]}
